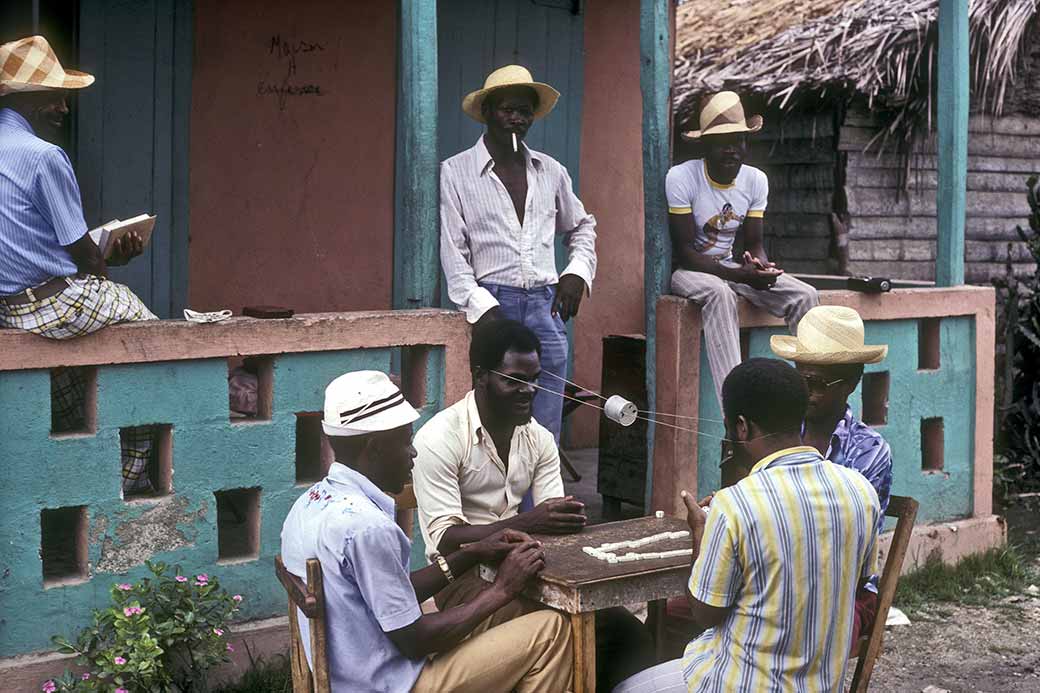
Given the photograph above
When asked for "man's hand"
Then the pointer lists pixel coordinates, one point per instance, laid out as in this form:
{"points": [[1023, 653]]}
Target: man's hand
{"points": [[490, 315], [569, 293], [750, 273], [126, 248], [495, 547], [750, 259], [696, 515], [556, 516], [520, 565]]}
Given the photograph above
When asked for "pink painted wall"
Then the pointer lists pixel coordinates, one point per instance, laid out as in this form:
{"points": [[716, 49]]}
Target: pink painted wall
{"points": [[292, 192], [612, 188]]}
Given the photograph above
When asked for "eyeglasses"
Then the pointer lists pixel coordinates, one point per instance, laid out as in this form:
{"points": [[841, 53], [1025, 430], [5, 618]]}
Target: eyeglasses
{"points": [[819, 384]]}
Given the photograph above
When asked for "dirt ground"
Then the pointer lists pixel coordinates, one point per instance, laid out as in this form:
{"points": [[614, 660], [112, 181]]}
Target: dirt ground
{"points": [[971, 649]]}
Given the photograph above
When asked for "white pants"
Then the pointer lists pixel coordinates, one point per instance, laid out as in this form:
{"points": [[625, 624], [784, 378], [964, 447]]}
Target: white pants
{"points": [[789, 298], [666, 677]]}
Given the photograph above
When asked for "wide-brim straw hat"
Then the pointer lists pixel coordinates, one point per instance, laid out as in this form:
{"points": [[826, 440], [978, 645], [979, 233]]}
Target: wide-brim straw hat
{"points": [[29, 64], [828, 335], [723, 114], [510, 76]]}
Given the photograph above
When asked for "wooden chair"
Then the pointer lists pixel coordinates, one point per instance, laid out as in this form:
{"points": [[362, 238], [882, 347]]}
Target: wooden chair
{"points": [[904, 509], [309, 597]]}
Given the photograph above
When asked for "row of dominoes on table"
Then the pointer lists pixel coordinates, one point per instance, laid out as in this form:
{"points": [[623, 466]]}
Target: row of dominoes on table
{"points": [[605, 552]]}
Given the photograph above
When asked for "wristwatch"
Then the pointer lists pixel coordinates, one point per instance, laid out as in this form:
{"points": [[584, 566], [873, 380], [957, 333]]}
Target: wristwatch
{"points": [[443, 564]]}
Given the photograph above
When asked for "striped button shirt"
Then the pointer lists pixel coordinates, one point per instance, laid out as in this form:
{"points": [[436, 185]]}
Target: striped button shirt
{"points": [[785, 548], [40, 207], [483, 241]]}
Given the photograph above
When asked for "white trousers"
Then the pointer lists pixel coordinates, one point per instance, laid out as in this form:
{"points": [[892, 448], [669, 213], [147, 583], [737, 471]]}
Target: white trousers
{"points": [[789, 298], [663, 678]]}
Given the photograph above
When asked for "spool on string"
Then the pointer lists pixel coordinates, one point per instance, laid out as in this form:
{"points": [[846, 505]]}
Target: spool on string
{"points": [[595, 406]]}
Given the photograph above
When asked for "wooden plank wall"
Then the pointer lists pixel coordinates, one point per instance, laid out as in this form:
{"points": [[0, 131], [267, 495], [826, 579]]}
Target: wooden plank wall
{"points": [[893, 231], [799, 154]]}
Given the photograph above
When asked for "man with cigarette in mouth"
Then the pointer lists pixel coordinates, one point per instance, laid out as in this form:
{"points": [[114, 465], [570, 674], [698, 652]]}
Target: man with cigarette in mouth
{"points": [[502, 206]]}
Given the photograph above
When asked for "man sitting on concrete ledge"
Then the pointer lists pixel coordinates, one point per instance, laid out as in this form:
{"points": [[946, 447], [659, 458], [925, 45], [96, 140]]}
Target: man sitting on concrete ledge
{"points": [[378, 638], [709, 201], [53, 279]]}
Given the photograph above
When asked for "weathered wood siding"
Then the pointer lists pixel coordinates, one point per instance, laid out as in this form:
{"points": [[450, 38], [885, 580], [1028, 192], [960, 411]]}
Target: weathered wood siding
{"points": [[892, 199], [800, 155]]}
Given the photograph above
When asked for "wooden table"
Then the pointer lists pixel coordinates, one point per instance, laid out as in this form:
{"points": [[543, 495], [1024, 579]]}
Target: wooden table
{"points": [[580, 585]]}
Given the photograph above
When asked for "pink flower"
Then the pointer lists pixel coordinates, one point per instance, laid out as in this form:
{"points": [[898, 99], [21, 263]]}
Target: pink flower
{"points": [[86, 676], [132, 611], [125, 587], [122, 690], [229, 648], [202, 577], [119, 660], [181, 578], [48, 687], [237, 597], [218, 632]]}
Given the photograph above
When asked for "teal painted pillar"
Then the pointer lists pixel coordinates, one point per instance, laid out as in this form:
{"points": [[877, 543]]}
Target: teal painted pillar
{"points": [[655, 79], [952, 106], [416, 178]]}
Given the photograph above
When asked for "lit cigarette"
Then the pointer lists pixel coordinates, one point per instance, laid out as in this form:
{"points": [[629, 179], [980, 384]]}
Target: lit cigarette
{"points": [[515, 150]]}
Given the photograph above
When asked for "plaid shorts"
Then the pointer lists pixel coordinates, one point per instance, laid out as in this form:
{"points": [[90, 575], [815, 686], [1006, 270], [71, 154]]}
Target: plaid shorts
{"points": [[87, 305]]}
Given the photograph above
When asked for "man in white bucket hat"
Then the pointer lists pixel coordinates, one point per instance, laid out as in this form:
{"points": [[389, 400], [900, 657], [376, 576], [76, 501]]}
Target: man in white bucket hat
{"points": [[53, 278], [378, 637], [710, 199], [830, 351], [502, 206]]}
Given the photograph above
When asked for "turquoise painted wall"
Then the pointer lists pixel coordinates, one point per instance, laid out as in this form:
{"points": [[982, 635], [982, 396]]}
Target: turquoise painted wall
{"points": [[209, 454], [948, 392]]}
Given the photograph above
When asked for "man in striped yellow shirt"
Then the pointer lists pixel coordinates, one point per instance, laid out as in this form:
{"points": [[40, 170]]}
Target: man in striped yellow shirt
{"points": [[778, 557]]}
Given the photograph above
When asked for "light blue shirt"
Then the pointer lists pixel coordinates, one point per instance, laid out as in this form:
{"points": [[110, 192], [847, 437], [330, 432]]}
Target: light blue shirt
{"points": [[347, 523], [40, 207]]}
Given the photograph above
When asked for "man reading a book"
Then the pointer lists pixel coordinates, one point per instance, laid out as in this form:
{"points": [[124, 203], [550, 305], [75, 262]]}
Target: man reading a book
{"points": [[52, 275]]}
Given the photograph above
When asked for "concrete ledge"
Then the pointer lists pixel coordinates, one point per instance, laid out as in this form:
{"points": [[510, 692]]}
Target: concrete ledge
{"points": [[951, 541], [265, 638]]}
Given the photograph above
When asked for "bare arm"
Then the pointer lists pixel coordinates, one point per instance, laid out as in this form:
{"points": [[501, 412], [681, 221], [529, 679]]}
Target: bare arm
{"points": [[430, 580], [87, 257], [554, 516], [753, 235], [441, 631], [758, 276]]}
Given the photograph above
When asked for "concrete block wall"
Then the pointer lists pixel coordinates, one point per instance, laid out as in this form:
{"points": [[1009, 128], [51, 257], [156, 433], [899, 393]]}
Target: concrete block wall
{"points": [[175, 374]]}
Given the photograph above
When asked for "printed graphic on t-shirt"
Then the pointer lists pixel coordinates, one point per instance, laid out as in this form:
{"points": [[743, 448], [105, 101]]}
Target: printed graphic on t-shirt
{"points": [[718, 210]]}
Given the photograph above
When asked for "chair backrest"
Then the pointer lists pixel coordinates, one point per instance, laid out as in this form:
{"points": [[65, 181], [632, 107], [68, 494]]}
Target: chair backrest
{"points": [[309, 598], [904, 509]]}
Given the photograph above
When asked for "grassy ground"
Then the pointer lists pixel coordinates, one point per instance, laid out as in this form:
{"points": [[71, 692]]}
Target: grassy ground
{"points": [[264, 677], [980, 580]]}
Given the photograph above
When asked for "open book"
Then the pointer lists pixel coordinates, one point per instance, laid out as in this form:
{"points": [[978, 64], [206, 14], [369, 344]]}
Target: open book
{"points": [[105, 236]]}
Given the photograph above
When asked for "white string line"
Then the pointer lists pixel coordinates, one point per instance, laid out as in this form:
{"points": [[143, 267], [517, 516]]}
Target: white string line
{"points": [[591, 392], [678, 416]]}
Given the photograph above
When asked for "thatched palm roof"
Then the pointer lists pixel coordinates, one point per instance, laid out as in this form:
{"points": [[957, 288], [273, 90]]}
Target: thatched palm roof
{"points": [[884, 50]]}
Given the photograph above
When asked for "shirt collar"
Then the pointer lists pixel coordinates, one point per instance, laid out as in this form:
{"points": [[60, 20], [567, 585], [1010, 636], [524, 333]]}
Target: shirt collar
{"points": [[768, 460], [476, 428], [844, 427], [485, 162], [11, 117], [342, 474]]}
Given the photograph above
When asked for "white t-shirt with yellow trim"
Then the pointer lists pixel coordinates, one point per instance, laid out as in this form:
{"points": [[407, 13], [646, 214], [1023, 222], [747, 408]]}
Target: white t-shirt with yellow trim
{"points": [[718, 210]]}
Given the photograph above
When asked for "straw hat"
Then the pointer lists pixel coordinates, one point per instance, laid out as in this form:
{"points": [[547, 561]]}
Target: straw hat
{"points": [[510, 76], [364, 402], [723, 114], [29, 64], [828, 335]]}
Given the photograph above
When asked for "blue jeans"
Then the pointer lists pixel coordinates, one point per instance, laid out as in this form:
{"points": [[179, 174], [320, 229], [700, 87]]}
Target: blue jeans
{"points": [[533, 308]]}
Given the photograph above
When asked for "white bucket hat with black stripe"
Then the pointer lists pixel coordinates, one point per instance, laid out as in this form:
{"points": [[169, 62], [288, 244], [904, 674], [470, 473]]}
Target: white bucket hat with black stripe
{"points": [[364, 402]]}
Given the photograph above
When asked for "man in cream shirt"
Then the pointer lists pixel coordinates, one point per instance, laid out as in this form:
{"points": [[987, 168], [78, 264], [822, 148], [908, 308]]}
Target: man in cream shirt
{"points": [[477, 459]]}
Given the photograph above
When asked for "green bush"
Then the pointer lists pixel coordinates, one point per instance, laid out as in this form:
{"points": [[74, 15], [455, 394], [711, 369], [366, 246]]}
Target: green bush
{"points": [[161, 634]]}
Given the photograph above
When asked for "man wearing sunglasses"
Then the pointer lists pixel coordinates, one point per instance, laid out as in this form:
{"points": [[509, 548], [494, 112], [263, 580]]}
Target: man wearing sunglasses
{"points": [[829, 351]]}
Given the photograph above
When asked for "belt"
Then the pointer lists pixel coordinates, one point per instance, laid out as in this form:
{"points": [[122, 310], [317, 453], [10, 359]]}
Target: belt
{"points": [[51, 287]]}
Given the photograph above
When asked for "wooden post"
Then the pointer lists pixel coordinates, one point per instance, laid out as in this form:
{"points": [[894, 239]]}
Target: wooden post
{"points": [[952, 106], [416, 179], [583, 640], [655, 79]]}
